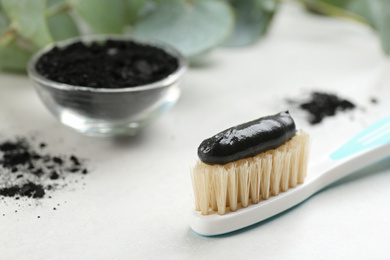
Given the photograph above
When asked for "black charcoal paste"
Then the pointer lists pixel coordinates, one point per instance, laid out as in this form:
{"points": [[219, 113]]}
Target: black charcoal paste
{"points": [[248, 139]]}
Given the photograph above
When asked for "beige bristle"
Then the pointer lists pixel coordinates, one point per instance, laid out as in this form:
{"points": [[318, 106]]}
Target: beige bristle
{"points": [[265, 171], [277, 169], [224, 188], [255, 178], [243, 175], [232, 188], [285, 179]]}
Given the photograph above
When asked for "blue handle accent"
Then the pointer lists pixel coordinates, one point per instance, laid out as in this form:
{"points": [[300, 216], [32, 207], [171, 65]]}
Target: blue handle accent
{"points": [[372, 136]]}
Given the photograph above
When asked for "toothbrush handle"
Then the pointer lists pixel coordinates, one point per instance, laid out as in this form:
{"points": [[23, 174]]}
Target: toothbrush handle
{"points": [[215, 225], [370, 145], [334, 170]]}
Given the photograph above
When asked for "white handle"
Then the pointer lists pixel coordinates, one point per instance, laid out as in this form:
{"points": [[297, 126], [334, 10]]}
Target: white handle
{"points": [[330, 171]]}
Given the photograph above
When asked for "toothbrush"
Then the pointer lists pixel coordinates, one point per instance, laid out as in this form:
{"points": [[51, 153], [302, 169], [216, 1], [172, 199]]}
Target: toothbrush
{"points": [[369, 146]]}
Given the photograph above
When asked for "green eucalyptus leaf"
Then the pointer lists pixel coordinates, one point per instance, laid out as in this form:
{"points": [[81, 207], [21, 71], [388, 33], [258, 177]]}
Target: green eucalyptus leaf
{"points": [[194, 27], [6, 36], [3, 23], [62, 26], [54, 4], [134, 8], [375, 12], [380, 13], [340, 8], [362, 8], [252, 20], [338, 3], [27, 17], [356, 9], [13, 57], [102, 16]]}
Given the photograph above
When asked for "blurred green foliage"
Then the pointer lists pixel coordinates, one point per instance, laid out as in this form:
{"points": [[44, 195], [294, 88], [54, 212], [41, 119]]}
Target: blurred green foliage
{"points": [[193, 26]]}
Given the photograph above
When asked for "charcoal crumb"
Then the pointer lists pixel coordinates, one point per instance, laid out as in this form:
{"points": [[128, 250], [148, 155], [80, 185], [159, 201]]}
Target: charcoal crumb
{"points": [[10, 146], [26, 172], [37, 172], [321, 105], [9, 191], [14, 158], [36, 156], [75, 169], [75, 160], [374, 100], [57, 160], [31, 190], [54, 175]]}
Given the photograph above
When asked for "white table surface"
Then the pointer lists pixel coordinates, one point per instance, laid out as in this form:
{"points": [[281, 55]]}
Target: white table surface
{"points": [[137, 198]]}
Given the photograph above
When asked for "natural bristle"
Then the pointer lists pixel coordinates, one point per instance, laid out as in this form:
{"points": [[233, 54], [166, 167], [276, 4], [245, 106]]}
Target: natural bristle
{"points": [[224, 188]]}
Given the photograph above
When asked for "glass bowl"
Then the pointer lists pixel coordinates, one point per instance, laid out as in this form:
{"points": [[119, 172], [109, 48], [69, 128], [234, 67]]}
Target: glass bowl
{"points": [[108, 111]]}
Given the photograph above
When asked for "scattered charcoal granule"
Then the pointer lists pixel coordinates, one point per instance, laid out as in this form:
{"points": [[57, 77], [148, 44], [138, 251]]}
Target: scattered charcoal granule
{"points": [[8, 146], [38, 172], [75, 160], [112, 64], [54, 175], [321, 105], [31, 190], [26, 172], [10, 191], [57, 160], [374, 100]]}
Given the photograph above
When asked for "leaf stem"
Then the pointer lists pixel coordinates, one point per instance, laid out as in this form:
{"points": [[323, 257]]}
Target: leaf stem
{"points": [[57, 9], [331, 10], [7, 36]]}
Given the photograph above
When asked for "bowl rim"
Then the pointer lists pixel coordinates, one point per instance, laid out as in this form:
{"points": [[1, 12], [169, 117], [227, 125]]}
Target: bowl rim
{"points": [[167, 81]]}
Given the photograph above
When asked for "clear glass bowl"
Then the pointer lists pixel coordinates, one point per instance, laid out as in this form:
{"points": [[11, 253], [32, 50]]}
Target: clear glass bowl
{"points": [[107, 111]]}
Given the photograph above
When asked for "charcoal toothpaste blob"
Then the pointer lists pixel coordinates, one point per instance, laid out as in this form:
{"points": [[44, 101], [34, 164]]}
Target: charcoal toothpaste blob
{"points": [[247, 139], [248, 163]]}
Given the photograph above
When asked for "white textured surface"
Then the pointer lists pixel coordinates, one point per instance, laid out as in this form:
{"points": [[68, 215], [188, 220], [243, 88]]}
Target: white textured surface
{"points": [[136, 200]]}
